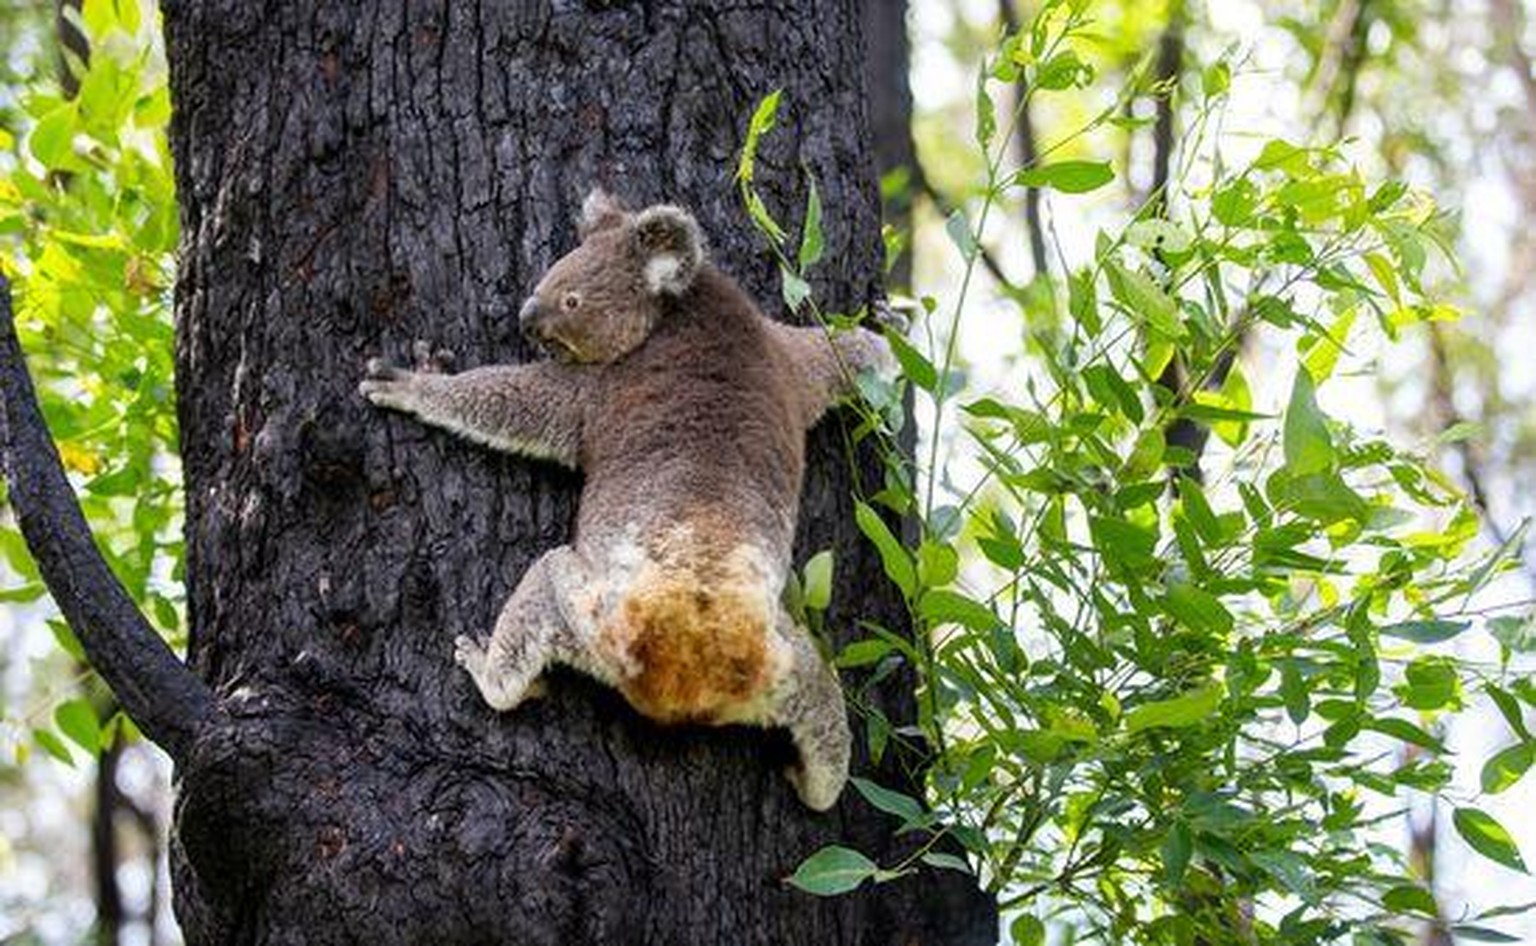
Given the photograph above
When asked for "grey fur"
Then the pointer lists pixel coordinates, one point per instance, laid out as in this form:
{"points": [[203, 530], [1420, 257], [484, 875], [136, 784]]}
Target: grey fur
{"points": [[687, 409]]}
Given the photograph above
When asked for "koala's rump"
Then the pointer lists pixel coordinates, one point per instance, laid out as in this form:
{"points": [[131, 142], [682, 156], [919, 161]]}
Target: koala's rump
{"points": [[695, 646]]}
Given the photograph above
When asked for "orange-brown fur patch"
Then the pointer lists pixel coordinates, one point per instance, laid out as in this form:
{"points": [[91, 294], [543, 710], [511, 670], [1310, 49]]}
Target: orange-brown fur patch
{"points": [[698, 653]]}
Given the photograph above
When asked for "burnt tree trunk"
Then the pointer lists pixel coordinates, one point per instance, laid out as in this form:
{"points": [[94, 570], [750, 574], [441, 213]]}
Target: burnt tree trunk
{"points": [[357, 175]]}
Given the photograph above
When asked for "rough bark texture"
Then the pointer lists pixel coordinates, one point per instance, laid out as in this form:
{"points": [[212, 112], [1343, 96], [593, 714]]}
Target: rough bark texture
{"points": [[357, 175]]}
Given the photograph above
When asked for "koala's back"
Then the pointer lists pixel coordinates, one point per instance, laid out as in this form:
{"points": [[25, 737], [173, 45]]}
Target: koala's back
{"points": [[694, 456], [700, 425]]}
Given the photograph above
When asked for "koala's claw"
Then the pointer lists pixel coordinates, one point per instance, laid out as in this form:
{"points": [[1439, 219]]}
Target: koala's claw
{"points": [[430, 360], [883, 315], [377, 369], [468, 653]]}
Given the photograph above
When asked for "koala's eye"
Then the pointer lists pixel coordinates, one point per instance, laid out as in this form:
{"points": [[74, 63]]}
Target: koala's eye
{"points": [[570, 301]]}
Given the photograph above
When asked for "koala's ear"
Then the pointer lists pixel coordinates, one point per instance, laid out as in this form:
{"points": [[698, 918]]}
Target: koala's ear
{"points": [[673, 246], [599, 211]]}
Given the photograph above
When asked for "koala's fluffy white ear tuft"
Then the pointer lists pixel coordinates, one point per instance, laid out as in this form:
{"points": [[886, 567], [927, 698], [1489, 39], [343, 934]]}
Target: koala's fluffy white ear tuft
{"points": [[673, 246], [599, 211]]}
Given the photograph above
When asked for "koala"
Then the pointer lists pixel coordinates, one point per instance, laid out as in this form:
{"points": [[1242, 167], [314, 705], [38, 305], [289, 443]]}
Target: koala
{"points": [[687, 410]]}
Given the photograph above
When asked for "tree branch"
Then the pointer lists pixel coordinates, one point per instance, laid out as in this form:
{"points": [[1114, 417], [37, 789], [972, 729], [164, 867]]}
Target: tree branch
{"points": [[157, 691], [945, 208], [1443, 401], [1182, 432], [1029, 152]]}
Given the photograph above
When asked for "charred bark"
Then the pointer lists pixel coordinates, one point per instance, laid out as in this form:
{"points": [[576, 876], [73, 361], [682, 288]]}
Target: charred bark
{"points": [[355, 176]]}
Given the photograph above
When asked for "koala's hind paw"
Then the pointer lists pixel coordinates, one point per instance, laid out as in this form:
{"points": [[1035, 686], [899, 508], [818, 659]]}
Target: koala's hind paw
{"points": [[494, 689], [817, 785]]}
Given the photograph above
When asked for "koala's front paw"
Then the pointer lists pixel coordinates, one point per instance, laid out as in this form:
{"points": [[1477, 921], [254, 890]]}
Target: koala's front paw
{"points": [[884, 315], [431, 360], [385, 385]]}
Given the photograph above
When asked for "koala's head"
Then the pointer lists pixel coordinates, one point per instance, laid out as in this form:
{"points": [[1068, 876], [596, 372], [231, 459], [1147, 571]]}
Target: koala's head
{"points": [[600, 301]]}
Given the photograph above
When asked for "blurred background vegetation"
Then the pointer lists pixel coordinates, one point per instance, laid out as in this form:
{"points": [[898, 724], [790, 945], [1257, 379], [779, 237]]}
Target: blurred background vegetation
{"points": [[1438, 93]]}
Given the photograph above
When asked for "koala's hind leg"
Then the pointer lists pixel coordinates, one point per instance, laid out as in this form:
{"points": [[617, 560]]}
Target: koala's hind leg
{"points": [[810, 704], [531, 633]]}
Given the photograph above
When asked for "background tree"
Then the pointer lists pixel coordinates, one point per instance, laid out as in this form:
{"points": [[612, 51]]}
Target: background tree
{"points": [[351, 179]]}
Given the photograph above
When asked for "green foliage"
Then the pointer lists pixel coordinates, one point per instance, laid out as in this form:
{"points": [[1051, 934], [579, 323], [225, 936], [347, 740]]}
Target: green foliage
{"points": [[1160, 710], [88, 234]]}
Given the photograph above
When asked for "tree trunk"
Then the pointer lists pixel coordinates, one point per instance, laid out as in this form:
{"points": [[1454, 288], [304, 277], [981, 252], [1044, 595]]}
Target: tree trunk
{"points": [[357, 175]]}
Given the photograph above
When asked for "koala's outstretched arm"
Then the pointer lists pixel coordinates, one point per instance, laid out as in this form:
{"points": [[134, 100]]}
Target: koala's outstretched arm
{"points": [[533, 410], [832, 361]]}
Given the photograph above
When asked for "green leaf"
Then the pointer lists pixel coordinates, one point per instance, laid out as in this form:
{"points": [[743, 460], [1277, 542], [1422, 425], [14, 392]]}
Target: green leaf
{"points": [[1308, 445], [916, 368], [1198, 610], [946, 861], [762, 122], [1158, 236], [818, 580], [862, 653], [1215, 79], [1030, 427], [1403, 730], [1482, 934], [64, 635], [959, 230], [1063, 71], [1425, 632], [764, 221], [1123, 544], [794, 289], [1146, 456], [53, 745], [1516, 634], [833, 870], [893, 557], [812, 241], [986, 113], [908, 809], [1144, 299], [1188, 709], [1027, 930], [1430, 683], [1487, 837], [949, 607], [1176, 848], [1509, 708], [1069, 177], [1294, 691], [1507, 766], [52, 139], [77, 720], [1410, 899], [1083, 303]]}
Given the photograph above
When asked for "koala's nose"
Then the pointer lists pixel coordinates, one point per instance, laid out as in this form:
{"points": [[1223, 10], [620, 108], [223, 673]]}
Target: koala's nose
{"points": [[529, 314]]}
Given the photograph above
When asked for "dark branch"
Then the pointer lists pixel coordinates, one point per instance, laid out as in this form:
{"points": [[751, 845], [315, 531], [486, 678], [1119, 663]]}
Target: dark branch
{"points": [[1029, 151], [1182, 432], [1347, 43], [1443, 400], [945, 208], [157, 691]]}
